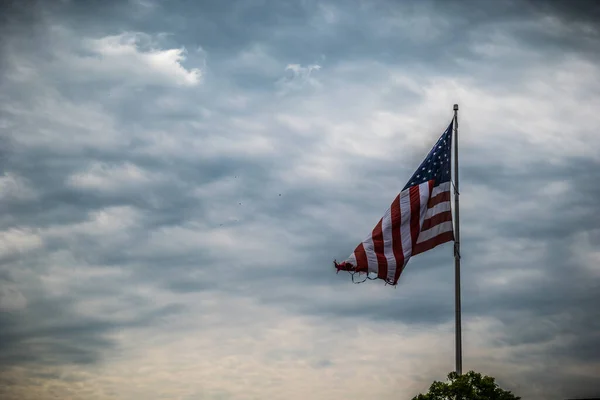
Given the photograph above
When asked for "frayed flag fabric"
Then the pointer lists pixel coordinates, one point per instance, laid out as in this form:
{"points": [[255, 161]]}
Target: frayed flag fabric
{"points": [[419, 219]]}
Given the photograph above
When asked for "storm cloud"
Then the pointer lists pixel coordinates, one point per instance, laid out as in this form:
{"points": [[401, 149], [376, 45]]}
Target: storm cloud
{"points": [[177, 178]]}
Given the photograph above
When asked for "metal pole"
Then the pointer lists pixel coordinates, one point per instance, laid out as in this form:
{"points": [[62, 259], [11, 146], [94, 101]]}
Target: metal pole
{"points": [[457, 251]]}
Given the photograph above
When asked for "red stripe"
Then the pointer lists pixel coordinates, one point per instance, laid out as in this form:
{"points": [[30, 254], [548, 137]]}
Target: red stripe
{"points": [[437, 219], [415, 207], [377, 237], [439, 198], [433, 242], [396, 239], [362, 264]]}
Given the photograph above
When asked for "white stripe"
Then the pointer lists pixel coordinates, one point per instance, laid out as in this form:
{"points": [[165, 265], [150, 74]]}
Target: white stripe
{"points": [[434, 231], [438, 208], [404, 200], [386, 229], [424, 199], [352, 259], [392, 266], [442, 187], [371, 256], [405, 236]]}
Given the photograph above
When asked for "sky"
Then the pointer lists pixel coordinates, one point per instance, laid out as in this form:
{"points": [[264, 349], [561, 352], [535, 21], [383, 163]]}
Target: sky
{"points": [[177, 178]]}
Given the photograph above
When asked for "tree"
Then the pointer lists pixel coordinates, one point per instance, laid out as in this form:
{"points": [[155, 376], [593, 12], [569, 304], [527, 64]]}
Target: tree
{"points": [[469, 386]]}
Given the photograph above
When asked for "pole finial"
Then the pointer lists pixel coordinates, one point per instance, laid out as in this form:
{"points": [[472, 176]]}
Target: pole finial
{"points": [[456, 107]]}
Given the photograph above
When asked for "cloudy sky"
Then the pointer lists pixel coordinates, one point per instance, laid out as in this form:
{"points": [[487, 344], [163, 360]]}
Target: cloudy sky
{"points": [[178, 176]]}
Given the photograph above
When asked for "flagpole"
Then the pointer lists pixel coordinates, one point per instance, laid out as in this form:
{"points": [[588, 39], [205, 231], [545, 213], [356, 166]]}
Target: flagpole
{"points": [[458, 328]]}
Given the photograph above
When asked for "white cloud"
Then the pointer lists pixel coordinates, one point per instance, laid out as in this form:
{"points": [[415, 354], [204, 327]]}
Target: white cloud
{"points": [[585, 252], [106, 177], [235, 137], [301, 77], [125, 57], [50, 121], [110, 226], [15, 241], [14, 187], [128, 58]]}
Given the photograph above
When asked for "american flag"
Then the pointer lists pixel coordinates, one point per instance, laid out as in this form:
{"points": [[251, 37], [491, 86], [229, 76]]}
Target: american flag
{"points": [[419, 219]]}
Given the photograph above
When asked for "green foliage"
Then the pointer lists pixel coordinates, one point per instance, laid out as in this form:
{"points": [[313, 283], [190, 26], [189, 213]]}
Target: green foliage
{"points": [[469, 386]]}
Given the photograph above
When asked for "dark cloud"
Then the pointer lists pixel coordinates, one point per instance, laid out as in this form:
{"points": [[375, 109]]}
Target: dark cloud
{"points": [[207, 194], [51, 332], [577, 11]]}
